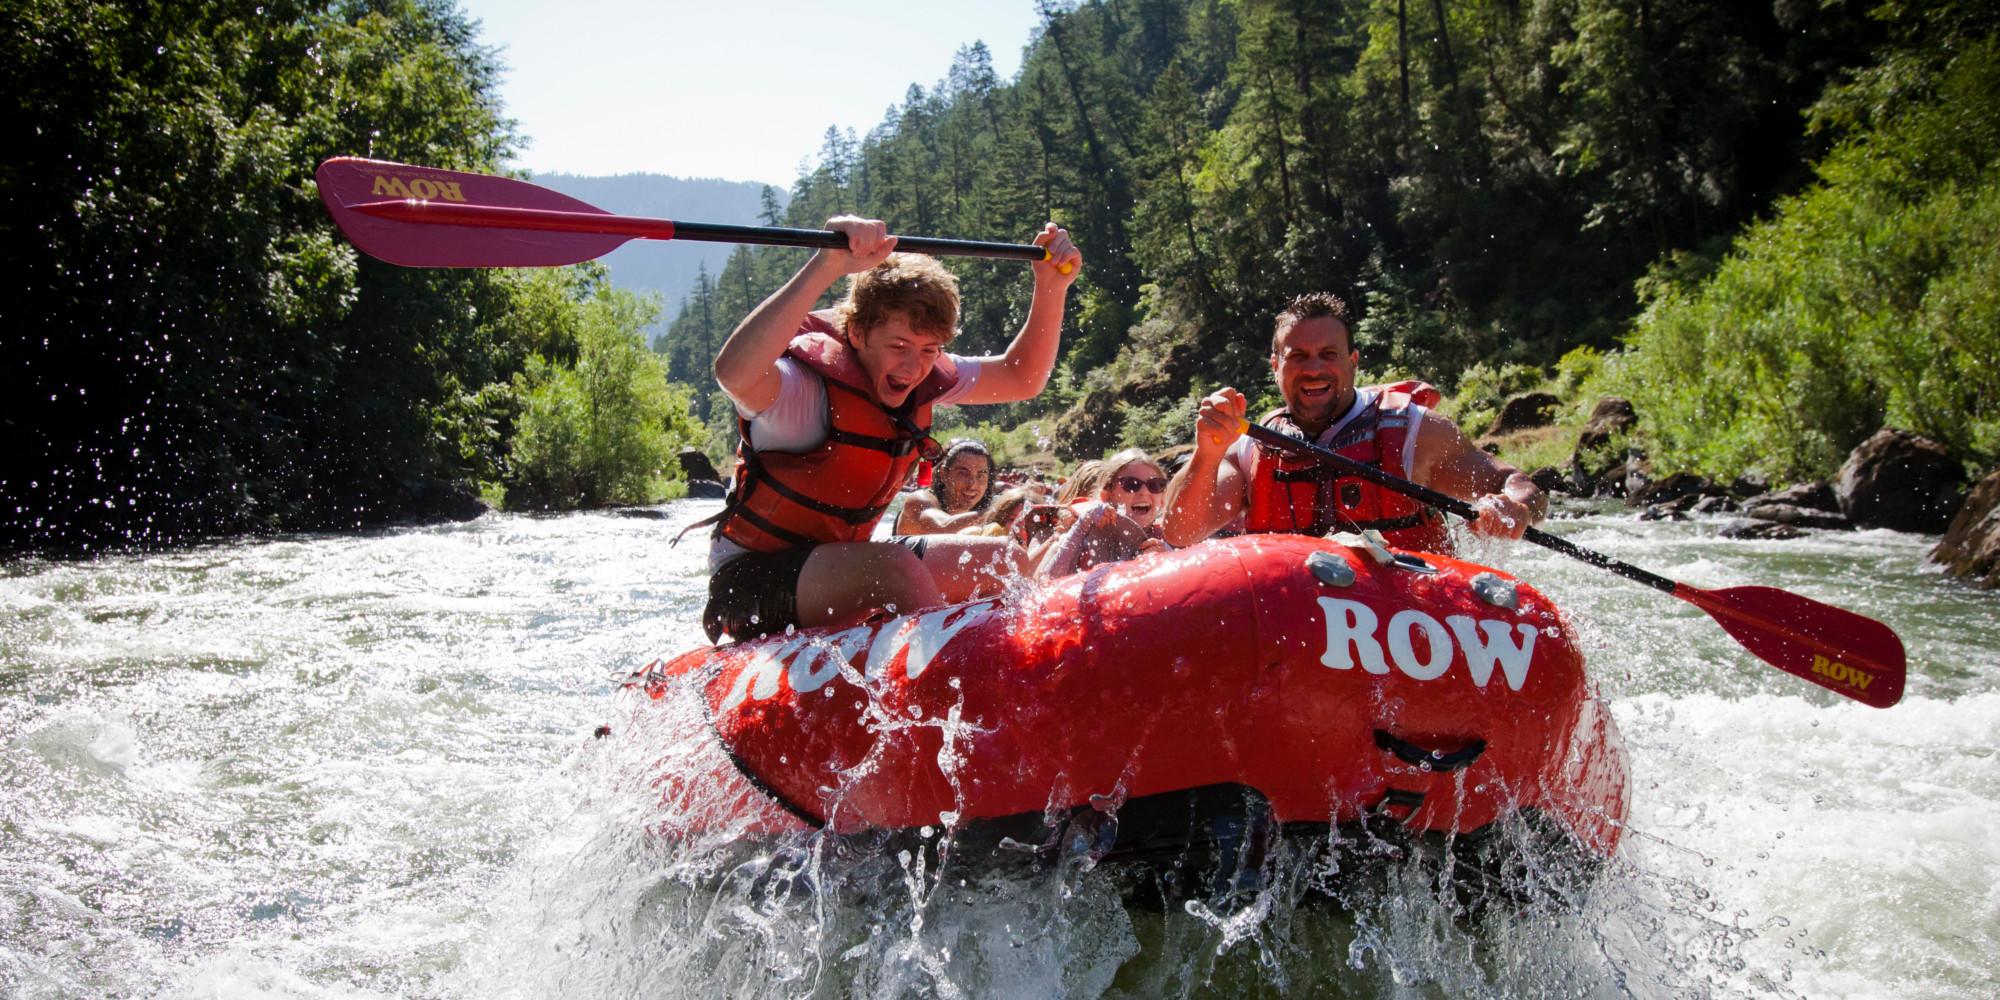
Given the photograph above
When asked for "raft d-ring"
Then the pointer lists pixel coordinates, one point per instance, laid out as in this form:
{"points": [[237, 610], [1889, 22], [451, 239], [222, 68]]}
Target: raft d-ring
{"points": [[1330, 569], [1368, 542]]}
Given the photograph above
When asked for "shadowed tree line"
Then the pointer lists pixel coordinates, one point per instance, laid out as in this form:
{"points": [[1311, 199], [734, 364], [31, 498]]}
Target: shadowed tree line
{"points": [[193, 348], [1490, 181]]}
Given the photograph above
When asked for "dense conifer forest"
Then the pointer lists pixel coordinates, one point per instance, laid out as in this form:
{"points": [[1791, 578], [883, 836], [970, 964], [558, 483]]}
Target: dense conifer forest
{"points": [[1771, 226]]}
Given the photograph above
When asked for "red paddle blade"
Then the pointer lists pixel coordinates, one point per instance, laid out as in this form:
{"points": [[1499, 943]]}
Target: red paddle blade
{"points": [[390, 211], [1851, 655]]}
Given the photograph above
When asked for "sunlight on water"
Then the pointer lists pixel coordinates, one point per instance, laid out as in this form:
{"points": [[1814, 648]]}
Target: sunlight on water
{"points": [[365, 766]]}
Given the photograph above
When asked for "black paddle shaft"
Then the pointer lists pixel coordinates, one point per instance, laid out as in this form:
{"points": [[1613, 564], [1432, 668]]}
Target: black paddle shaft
{"points": [[779, 236], [1452, 504]]}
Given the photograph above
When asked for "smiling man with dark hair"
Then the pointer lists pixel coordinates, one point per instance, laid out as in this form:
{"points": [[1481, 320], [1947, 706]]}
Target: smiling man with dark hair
{"points": [[1390, 427]]}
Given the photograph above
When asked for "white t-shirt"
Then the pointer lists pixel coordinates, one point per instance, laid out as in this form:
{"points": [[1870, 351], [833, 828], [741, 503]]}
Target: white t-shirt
{"points": [[796, 422], [1241, 453]]}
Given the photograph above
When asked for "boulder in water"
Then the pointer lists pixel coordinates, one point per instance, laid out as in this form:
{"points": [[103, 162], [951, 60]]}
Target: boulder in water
{"points": [[1798, 517], [1550, 479], [1900, 480], [1672, 487], [1811, 496], [1970, 549], [1744, 528]]}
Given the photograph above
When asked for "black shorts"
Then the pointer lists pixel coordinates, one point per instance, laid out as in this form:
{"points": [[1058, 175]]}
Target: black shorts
{"points": [[757, 593]]}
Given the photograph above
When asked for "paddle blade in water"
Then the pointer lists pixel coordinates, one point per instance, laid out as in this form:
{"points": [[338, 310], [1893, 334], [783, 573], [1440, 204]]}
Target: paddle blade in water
{"points": [[1849, 654], [388, 210]]}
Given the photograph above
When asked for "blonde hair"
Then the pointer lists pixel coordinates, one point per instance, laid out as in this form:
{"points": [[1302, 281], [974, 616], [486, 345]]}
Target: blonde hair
{"points": [[910, 283], [1088, 478], [1125, 458]]}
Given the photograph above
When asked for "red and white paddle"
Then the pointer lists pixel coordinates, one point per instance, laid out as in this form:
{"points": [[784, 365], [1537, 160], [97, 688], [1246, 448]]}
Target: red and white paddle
{"points": [[1852, 655], [428, 217]]}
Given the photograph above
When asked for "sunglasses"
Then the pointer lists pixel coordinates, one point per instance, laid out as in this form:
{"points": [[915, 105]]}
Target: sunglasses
{"points": [[927, 447], [1133, 484]]}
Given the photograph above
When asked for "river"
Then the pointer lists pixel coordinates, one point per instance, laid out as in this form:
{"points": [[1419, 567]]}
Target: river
{"points": [[363, 766]]}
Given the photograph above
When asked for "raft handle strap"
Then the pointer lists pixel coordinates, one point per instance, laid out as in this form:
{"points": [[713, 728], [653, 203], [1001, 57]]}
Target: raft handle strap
{"points": [[1435, 760]]}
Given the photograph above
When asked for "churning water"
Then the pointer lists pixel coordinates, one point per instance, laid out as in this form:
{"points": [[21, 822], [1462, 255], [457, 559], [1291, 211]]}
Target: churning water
{"points": [[364, 766]]}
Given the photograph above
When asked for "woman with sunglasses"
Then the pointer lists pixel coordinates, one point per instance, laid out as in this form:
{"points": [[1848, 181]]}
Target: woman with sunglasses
{"points": [[1137, 487], [959, 493], [1114, 522], [834, 410]]}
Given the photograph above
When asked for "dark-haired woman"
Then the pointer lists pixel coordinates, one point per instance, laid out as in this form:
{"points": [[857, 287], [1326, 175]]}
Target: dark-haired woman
{"points": [[960, 490]]}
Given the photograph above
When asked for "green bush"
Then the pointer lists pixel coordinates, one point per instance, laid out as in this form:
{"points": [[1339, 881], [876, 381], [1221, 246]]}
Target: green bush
{"points": [[1868, 300], [605, 429]]}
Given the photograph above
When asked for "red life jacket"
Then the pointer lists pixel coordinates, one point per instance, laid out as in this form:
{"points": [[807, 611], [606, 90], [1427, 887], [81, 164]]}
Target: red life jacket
{"points": [[1300, 495], [837, 491]]}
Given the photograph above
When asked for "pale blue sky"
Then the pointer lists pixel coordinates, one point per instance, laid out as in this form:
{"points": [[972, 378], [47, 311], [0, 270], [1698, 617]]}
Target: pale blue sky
{"points": [[738, 89]]}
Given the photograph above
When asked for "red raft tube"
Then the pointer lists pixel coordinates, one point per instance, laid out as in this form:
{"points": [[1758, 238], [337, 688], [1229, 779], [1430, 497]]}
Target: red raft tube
{"points": [[1304, 680]]}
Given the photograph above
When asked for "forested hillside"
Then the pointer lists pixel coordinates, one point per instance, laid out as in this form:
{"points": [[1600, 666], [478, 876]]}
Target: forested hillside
{"points": [[1770, 225], [1489, 181]]}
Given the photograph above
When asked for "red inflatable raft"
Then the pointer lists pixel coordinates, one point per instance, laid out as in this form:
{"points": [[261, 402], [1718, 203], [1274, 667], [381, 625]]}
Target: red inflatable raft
{"points": [[1305, 677]]}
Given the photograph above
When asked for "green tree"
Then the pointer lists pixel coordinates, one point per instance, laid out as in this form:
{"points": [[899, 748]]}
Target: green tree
{"points": [[197, 350], [603, 429]]}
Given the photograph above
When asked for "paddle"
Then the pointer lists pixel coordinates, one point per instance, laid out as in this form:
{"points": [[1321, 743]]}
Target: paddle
{"points": [[428, 217], [1849, 654]]}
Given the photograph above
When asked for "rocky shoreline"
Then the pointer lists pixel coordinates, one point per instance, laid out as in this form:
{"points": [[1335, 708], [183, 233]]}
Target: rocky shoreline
{"points": [[1895, 479]]}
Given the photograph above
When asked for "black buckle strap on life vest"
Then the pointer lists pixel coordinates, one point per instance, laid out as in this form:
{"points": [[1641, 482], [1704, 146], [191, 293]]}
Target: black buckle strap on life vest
{"points": [[897, 447], [756, 476], [1392, 523], [792, 538], [1317, 472]]}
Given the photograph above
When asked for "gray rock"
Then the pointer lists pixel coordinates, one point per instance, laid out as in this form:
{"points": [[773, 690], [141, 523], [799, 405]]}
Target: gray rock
{"points": [[1798, 517], [695, 465], [1745, 528], [1550, 479], [1900, 480], [1811, 496], [1713, 505], [1673, 487], [1970, 549]]}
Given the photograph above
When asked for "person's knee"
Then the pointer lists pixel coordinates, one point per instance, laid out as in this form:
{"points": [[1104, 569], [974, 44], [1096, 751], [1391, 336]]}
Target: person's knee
{"points": [[903, 578]]}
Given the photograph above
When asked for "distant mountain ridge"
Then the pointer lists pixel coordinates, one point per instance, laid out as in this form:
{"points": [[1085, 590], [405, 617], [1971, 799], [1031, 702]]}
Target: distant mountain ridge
{"points": [[668, 268]]}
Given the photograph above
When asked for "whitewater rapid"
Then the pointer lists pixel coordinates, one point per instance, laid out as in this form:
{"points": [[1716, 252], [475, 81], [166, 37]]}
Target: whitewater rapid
{"points": [[363, 765]]}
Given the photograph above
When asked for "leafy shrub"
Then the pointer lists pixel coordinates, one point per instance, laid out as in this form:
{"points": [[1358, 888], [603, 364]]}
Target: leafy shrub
{"points": [[606, 429], [1867, 300]]}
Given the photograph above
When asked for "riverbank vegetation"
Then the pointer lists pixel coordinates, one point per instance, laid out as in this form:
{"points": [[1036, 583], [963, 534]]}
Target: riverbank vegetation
{"points": [[1771, 226], [194, 349], [1666, 186]]}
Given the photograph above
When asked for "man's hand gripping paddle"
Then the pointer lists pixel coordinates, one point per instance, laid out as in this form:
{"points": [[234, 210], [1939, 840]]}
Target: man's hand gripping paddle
{"points": [[1849, 654], [427, 217]]}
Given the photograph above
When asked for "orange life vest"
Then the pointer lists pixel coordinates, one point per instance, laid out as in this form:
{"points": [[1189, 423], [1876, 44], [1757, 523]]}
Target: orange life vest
{"points": [[1300, 495], [837, 491]]}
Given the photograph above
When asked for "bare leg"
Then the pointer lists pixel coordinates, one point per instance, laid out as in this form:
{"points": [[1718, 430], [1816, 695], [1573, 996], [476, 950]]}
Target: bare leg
{"points": [[842, 583], [968, 566]]}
